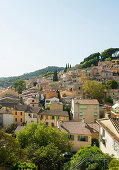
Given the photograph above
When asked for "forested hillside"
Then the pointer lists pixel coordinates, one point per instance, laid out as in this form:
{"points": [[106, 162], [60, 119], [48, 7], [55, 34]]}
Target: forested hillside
{"points": [[106, 55], [5, 82]]}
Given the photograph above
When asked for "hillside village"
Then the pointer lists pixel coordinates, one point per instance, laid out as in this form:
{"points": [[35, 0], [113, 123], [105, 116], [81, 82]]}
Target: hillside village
{"points": [[59, 99]]}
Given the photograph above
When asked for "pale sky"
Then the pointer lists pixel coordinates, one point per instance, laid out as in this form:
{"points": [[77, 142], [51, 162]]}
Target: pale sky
{"points": [[39, 33]]}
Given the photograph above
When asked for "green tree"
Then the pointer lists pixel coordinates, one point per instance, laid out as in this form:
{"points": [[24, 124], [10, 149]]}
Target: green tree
{"points": [[10, 151], [94, 90], [90, 152], [11, 128], [35, 83], [114, 164], [48, 157], [108, 100], [23, 166], [34, 136], [19, 85], [108, 53], [55, 77], [111, 84]]}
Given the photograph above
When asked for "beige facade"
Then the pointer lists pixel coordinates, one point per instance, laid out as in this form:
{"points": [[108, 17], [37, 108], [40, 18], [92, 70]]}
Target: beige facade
{"points": [[85, 110], [77, 144], [56, 106], [50, 117], [79, 134]]}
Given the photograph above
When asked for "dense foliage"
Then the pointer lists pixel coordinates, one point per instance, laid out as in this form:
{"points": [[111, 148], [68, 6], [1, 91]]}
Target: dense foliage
{"points": [[93, 156], [11, 128], [94, 90], [10, 151], [34, 136], [23, 166], [19, 85], [114, 164], [111, 84], [106, 55], [48, 157]]}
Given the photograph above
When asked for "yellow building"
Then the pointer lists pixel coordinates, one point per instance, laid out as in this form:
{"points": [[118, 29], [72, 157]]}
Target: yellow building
{"points": [[19, 114], [50, 117], [79, 134]]}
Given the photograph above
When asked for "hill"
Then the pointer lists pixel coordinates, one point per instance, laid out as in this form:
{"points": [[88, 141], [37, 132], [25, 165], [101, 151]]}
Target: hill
{"points": [[7, 81], [106, 55]]}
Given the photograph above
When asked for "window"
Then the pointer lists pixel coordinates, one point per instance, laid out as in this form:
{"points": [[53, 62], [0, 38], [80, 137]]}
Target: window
{"points": [[46, 117], [21, 120], [95, 114], [0, 118], [71, 137], [95, 107], [29, 115], [81, 114], [32, 100], [83, 107], [52, 117], [15, 119], [15, 113], [52, 124], [21, 113], [83, 138], [47, 123]]}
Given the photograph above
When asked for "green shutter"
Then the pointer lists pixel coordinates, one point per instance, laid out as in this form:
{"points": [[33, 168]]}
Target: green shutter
{"points": [[83, 107], [95, 107], [86, 137], [46, 117], [78, 138], [72, 137], [95, 114], [81, 114]]}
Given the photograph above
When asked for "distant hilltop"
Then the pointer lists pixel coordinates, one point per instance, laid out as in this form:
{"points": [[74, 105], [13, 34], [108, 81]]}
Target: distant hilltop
{"points": [[8, 81]]}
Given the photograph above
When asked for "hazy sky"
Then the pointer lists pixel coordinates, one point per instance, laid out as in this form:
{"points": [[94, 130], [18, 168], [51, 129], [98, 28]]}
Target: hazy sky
{"points": [[38, 33]]}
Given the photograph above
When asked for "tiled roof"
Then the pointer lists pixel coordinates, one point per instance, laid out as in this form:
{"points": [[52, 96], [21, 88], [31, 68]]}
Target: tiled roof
{"points": [[73, 127], [54, 113], [115, 122], [86, 101], [94, 127]]}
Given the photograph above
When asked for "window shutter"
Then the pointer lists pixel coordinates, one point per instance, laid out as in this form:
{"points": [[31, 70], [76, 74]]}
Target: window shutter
{"points": [[86, 138], [78, 138]]}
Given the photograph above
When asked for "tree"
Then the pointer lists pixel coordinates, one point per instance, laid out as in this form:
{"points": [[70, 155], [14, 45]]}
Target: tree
{"points": [[111, 84], [19, 85], [48, 157], [24, 165], [34, 136], [10, 151], [55, 77], [94, 158], [35, 83], [109, 53], [108, 100], [94, 90], [11, 128], [114, 164]]}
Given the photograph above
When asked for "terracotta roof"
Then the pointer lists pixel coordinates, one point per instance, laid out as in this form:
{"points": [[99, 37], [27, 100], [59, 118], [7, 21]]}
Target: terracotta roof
{"points": [[54, 113], [73, 127], [86, 101]]}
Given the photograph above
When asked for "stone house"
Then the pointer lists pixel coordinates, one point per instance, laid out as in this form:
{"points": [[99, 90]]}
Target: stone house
{"points": [[85, 110]]}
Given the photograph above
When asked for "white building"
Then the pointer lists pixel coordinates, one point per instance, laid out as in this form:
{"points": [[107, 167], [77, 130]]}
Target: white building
{"points": [[49, 101], [109, 136]]}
